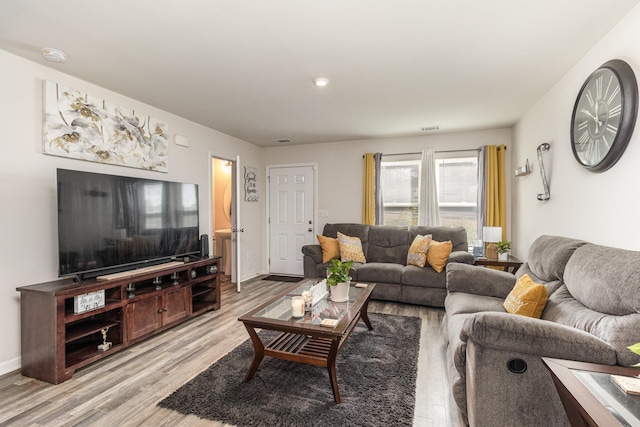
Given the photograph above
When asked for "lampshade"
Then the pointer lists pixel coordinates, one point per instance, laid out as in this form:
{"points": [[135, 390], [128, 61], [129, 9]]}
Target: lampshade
{"points": [[492, 234]]}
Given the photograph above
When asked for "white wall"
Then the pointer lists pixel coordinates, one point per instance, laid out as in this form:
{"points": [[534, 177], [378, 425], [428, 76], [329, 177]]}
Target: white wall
{"points": [[341, 166], [598, 207], [28, 253]]}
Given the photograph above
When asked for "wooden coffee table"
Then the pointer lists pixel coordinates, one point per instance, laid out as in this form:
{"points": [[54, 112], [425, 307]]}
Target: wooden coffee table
{"points": [[303, 340]]}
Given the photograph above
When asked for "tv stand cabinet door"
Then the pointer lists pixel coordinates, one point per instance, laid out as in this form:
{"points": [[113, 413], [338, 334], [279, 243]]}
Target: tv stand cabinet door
{"points": [[144, 317], [176, 305]]}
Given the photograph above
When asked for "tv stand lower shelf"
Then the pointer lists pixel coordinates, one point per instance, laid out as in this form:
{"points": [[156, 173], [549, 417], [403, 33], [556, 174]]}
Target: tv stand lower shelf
{"points": [[60, 335]]}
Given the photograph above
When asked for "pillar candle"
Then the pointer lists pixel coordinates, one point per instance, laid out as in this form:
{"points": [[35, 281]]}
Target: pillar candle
{"points": [[297, 306]]}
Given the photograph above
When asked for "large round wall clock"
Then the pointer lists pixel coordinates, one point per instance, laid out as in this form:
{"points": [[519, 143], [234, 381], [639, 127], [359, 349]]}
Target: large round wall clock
{"points": [[604, 116]]}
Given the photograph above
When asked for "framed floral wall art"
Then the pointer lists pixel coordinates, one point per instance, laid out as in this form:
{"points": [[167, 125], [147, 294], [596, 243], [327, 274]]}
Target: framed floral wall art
{"points": [[80, 126]]}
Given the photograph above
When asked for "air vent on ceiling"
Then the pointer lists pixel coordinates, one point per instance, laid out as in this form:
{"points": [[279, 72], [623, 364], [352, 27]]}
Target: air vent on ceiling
{"points": [[283, 141], [429, 128]]}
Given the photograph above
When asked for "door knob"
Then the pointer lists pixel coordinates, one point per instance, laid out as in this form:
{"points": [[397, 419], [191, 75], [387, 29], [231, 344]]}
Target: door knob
{"points": [[310, 229], [310, 222]]}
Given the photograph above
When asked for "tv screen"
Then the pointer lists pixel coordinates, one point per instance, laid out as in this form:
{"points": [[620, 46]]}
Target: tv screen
{"points": [[109, 223]]}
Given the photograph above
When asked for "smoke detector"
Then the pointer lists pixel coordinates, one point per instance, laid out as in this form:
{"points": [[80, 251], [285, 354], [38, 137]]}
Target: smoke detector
{"points": [[54, 55]]}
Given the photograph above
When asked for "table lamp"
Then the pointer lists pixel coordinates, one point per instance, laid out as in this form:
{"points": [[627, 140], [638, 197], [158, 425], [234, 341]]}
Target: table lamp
{"points": [[491, 235]]}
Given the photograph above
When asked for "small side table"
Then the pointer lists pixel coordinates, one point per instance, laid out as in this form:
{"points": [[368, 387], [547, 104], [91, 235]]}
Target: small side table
{"points": [[511, 265], [588, 395]]}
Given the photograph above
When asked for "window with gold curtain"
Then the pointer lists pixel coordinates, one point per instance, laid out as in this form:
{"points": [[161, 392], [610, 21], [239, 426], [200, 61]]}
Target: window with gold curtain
{"points": [[495, 188], [369, 190], [372, 192]]}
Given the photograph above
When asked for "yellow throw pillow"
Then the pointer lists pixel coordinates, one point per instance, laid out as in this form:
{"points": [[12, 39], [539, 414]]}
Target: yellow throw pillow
{"points": [[330, 248], [418, 250], [526, 298], [350, 248], [438, 254]]}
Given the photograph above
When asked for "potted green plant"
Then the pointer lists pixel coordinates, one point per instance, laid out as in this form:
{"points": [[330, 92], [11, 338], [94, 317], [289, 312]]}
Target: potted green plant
{"points": [[503, 248], [339, 280]]}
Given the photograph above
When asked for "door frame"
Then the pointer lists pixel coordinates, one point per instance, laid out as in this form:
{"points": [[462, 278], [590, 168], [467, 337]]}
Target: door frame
{"points": [[235, 212], [314, 168]]}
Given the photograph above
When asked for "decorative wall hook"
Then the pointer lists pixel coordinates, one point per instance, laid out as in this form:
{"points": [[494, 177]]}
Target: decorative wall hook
{"points": [[544, 196]]}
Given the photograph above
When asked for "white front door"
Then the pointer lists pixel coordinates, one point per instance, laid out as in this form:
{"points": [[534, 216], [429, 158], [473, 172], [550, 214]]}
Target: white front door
{"points": [[291, 217]]}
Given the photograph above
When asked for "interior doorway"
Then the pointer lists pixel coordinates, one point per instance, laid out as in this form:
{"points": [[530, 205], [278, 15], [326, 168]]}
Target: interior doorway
{"points": [[222, 213]]}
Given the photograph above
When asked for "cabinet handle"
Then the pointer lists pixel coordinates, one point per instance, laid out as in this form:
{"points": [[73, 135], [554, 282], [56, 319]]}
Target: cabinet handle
{"points": [[160, 311]]}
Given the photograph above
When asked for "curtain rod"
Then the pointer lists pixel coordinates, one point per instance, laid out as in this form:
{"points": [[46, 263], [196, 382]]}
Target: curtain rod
{"points": [[437, 151]]}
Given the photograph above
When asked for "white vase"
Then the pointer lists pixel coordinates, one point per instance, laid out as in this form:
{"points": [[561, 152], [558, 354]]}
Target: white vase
{"points": [[503, 256], [340, 292]]}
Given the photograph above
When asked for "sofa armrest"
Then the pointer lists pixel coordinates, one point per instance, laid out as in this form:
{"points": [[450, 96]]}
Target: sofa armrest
{"points": [[477, 280], [511, 332], [461, 257], [314, 251]]}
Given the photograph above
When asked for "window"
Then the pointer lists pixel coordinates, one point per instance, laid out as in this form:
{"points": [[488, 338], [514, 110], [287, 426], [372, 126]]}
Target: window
{"points": [[457, 182], [400, 182]]}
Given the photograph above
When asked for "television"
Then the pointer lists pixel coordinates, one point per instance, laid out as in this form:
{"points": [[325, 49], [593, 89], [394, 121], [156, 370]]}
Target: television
{"points": [[110, 223]]}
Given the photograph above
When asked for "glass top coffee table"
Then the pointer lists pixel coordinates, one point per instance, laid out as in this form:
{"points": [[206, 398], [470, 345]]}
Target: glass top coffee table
{"points": [[590, 397], [303, 339]]}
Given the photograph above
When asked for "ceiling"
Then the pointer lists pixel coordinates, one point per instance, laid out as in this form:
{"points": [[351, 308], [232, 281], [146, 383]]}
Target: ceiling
{"points": [[246, 67]]}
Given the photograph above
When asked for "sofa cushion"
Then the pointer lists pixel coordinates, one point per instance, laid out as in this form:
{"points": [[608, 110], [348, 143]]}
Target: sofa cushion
{"points": [[438, 254], [330, 248], [360, 231], [617, 331], [526, 298], [380, 272], [418, 250], [350, 248], [551, 286], [457, 235], [605, 279], [548, 256], [388, 244], [423, 277]]}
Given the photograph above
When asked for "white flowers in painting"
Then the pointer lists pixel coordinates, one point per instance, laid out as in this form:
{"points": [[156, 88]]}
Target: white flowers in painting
{"points": [[84, 127]]}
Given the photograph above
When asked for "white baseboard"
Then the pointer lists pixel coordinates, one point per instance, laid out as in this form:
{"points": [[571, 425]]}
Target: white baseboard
{"points": [[10, 365]]}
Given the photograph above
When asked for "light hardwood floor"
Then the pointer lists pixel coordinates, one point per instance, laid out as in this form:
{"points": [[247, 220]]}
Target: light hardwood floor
{"points": [[123, 389]]}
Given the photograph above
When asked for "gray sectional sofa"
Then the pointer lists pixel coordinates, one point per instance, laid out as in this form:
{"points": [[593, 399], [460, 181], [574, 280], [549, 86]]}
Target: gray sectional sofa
{"points": [[494, 358], [385, 249]]}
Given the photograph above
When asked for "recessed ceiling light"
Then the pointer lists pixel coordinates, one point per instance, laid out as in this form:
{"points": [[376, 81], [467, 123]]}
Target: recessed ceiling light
{"points": [[321, 82], [54, 55]]}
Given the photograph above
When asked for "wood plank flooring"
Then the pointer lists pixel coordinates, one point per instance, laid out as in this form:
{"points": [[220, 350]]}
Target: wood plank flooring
{"points": [[123, 390]]}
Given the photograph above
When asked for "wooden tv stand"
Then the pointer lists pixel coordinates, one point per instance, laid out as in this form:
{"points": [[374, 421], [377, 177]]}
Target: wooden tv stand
{"points": [[57, 339]]}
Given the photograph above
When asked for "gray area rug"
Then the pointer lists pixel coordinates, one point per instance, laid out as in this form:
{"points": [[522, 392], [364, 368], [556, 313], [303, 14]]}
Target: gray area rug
{"points": [[376, 374]]}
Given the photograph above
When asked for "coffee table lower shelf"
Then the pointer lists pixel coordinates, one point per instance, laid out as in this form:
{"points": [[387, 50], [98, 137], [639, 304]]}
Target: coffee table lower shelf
{"points": [[311, 344], [300, 348]]}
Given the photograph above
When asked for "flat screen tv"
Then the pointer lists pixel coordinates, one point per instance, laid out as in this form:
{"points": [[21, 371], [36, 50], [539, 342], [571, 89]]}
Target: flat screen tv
{"points": [[109, 223]]}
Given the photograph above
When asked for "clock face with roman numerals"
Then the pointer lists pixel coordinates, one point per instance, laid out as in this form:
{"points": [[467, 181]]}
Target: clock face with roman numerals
{"points": [[604, 116]]}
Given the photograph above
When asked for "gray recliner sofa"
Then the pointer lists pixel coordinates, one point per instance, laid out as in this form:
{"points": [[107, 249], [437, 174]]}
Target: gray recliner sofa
{"points": [[494, 358], [385, 249]]}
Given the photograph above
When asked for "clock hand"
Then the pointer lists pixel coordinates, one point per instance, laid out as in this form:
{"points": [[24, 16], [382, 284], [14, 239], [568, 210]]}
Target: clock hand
{"points": [[588, 113], [595, 119]]}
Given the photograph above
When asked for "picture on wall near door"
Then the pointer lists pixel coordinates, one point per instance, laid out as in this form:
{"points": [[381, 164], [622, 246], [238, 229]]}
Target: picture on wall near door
{"points": [[250, 184], [84, 127]]}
